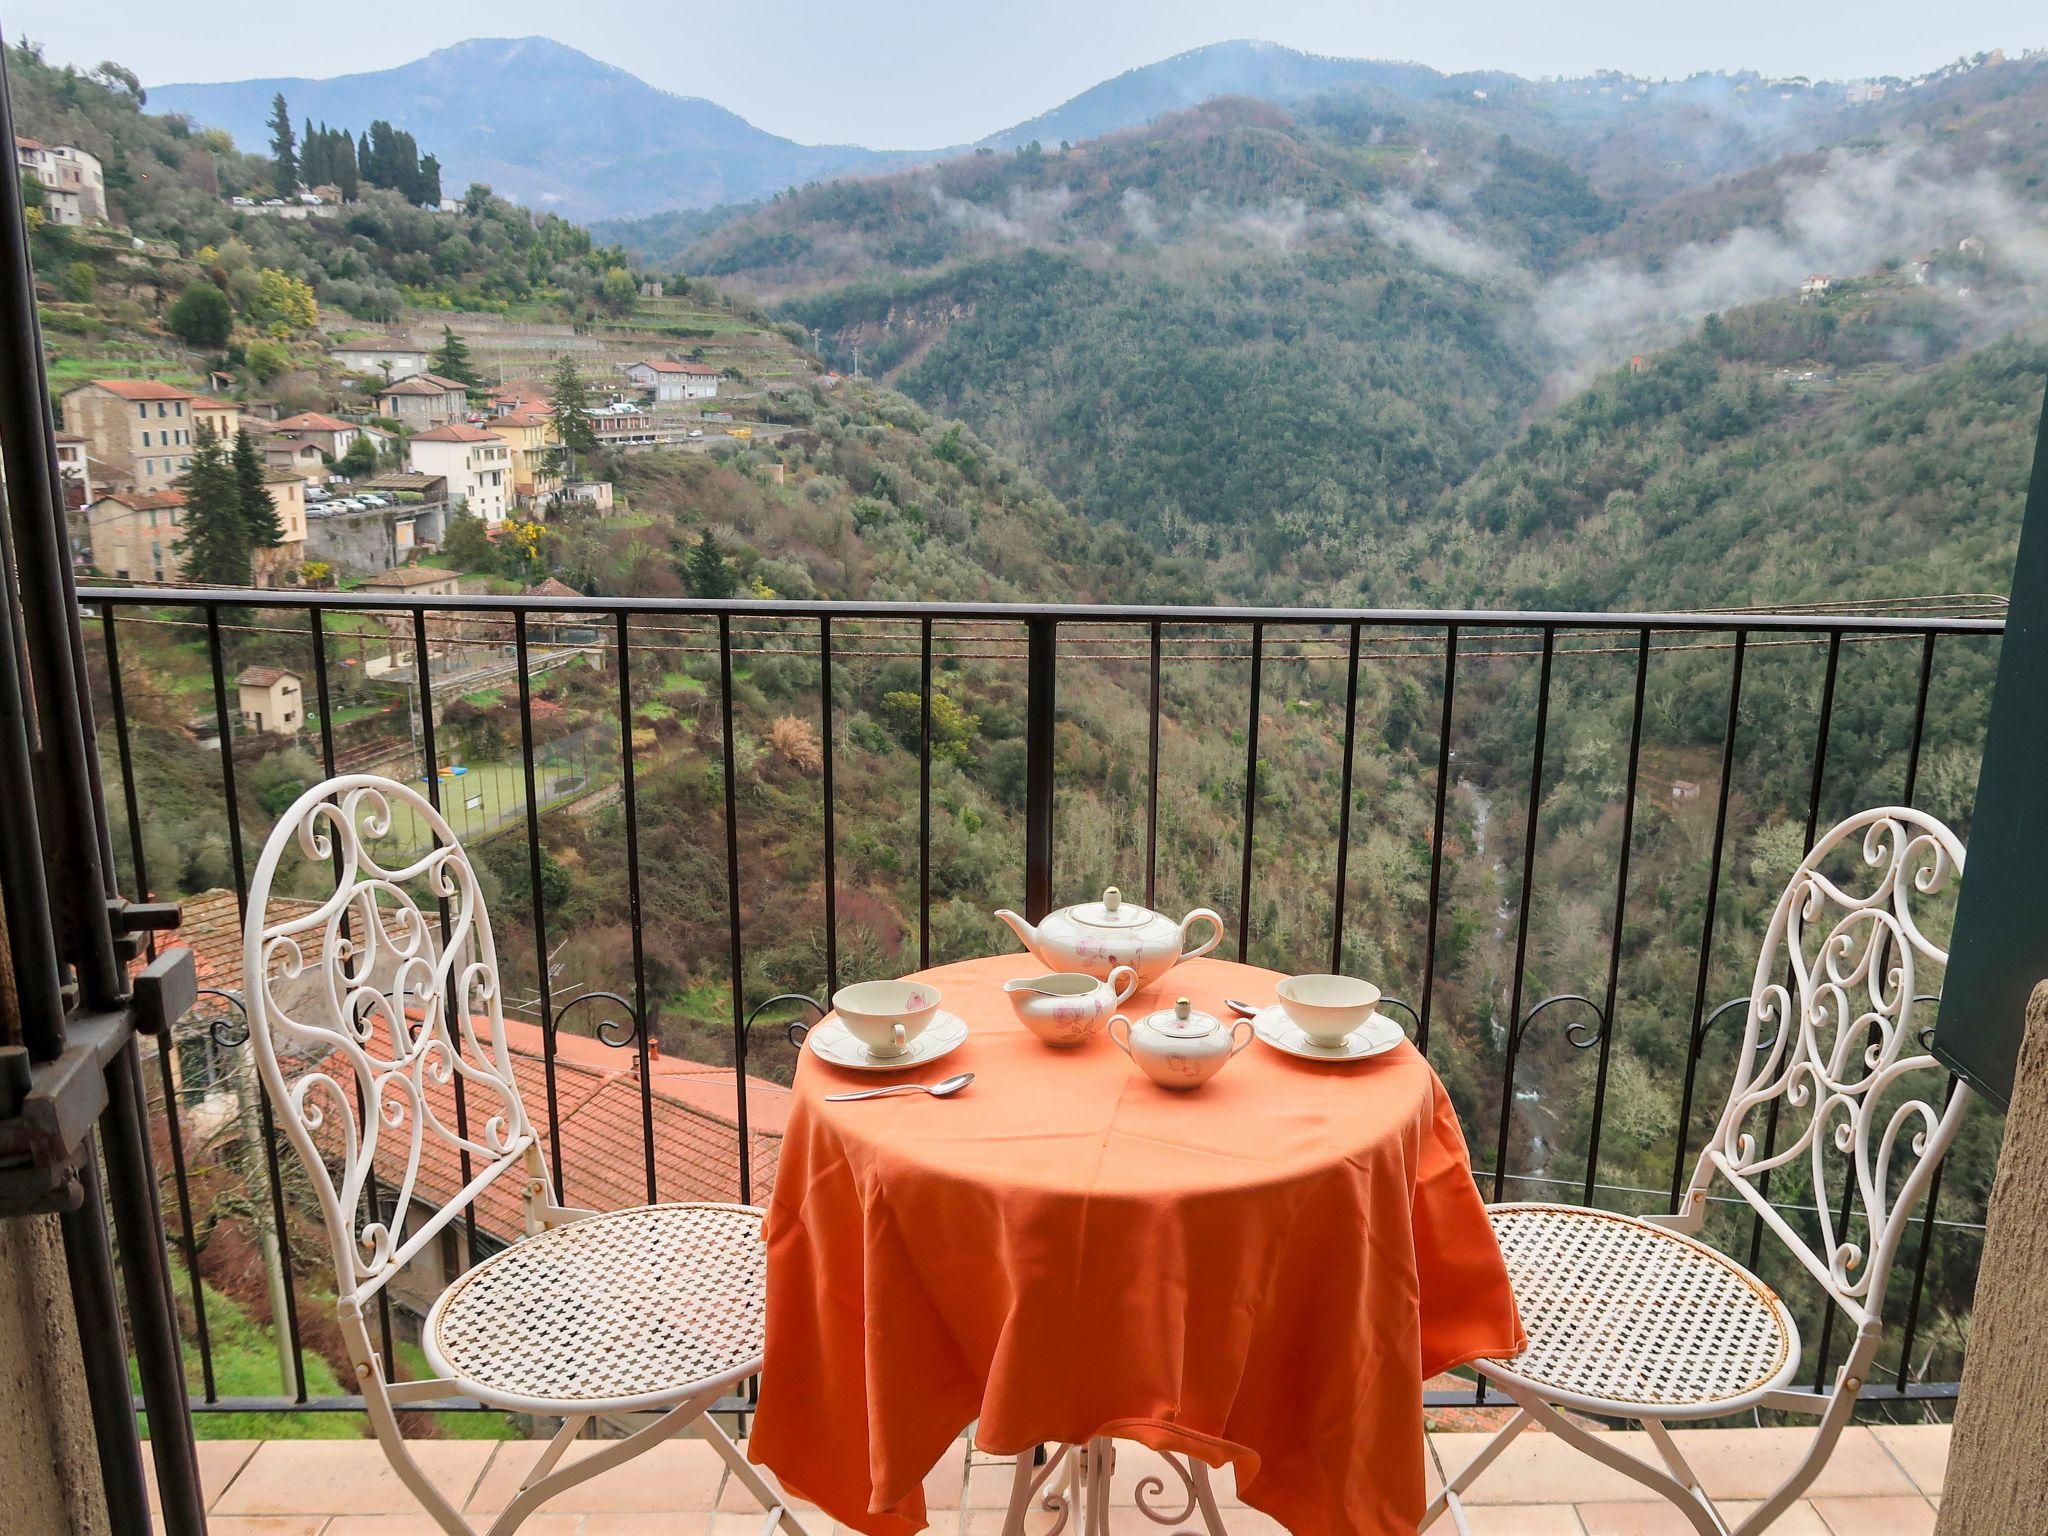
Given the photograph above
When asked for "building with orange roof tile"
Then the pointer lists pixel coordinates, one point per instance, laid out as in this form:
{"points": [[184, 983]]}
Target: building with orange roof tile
{"points": [[138, 432]]}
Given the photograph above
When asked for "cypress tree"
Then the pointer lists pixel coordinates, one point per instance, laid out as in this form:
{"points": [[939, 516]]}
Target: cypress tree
{"points": [[215, 545], [283, 147], [346, 176], [259, 512]]}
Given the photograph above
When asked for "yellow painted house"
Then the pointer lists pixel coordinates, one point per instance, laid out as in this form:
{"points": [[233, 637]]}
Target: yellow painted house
{"points": [[532, 437]]}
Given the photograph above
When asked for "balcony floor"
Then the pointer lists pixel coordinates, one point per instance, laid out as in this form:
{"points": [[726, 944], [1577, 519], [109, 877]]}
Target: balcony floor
{"points": [[1881, 1482]]}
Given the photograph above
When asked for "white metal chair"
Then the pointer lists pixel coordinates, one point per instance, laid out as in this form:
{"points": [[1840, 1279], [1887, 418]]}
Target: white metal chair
{"points": [[1632, 1318], [655, 1308]]}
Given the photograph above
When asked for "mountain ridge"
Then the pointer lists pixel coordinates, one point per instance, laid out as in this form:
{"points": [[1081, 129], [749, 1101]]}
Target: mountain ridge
{"points": [[618, 145]]}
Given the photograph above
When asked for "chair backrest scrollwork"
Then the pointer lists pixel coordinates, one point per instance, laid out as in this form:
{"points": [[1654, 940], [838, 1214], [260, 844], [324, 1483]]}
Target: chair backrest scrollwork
{"points": [[1831, 1047], [361, 1048]]}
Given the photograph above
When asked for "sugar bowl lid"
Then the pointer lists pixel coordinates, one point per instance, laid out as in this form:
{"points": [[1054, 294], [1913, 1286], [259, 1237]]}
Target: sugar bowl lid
{"points": [[1183, 1019]]}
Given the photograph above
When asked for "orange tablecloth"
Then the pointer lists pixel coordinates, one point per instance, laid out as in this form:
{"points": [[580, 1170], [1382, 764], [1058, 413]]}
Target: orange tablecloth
{"points": [[1262, 1272]]}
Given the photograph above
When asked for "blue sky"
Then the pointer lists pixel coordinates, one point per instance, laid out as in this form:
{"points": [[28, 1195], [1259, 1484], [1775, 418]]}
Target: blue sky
{"points": [[920, 73]]}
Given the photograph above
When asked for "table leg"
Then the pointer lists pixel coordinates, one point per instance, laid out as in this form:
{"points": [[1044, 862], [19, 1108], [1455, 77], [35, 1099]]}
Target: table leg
{"points": [[1075, 1483]]}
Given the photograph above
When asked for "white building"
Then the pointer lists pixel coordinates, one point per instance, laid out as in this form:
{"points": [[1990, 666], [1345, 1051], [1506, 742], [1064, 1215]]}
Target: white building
{"points": [[388, 360], [674, 381], [476, 464], [74, 185]]}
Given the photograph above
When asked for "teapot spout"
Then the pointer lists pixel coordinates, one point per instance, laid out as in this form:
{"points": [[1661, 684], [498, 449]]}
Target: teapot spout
{"points": [[1027, 935]]}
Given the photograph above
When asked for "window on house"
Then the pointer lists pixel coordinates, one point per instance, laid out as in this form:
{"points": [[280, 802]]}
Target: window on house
{"points": [[161, 410], [145, 437]]}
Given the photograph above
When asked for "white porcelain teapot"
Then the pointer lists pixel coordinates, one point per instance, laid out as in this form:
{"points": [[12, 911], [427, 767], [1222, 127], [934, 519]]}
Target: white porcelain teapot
{"points": [[1096, 937], [1178, 1047]]}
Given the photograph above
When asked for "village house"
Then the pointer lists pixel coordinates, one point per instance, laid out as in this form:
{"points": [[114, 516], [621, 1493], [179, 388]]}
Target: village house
{"points": [[392, 359], [274, 565], [303, 456], [224, 416], [520, 399], [74, 185], [594, 494], [271, 699], [424, 400], [134, 535], [621, 425], [330, 434], [138, 433], [670, 381], [531, 435], [476, 464], [74, 472]]}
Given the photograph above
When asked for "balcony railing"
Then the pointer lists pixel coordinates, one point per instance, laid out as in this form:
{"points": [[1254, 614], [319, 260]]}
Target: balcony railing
{"points": [[1545, 834]]}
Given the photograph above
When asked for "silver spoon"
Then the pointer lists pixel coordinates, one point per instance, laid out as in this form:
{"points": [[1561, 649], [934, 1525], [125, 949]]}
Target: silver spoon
{"points": [[1244, 1008], [945, 1088]]}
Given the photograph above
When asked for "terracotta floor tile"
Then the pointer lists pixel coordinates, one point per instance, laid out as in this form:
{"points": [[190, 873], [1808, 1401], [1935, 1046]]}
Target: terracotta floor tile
{"points": [[1922, 1449], [735, 1497], [420, 1525], [681, 1474], [988, 1485], [945, 1486], [265, 1525], [693, 1523], [1751, 1463], [1541, 1469], [1657, 1518], [1523, 1520], [219, 1461], [1877, 1517], [312, 1477]]}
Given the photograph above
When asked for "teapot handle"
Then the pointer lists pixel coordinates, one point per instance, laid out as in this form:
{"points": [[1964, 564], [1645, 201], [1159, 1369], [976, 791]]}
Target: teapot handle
{"points": [[1119, 995], [1237, 1044], [1123, 1041], [1200, 914]]}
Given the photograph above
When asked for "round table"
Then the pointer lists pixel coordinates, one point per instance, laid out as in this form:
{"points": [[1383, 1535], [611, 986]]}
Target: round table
{"points": [[1261, 1272]]}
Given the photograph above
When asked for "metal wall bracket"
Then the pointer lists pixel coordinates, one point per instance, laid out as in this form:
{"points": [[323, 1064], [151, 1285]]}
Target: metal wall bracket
{"points": [[48, 1108]]}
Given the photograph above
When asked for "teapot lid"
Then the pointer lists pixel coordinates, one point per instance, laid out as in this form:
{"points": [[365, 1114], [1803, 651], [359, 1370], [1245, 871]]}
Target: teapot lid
{"points": [[1112, 912], [1183, 1019]]}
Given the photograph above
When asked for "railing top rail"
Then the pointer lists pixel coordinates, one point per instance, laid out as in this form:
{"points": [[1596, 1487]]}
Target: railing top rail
{"points": [[1058, 613]]}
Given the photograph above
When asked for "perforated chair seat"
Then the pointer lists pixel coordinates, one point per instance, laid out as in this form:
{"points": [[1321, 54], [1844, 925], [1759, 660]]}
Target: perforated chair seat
{"points": [[629, 1309], [1633, 1318]]}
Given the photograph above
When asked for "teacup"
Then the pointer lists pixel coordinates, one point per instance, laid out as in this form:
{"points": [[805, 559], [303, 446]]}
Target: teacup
{"points": [[886, 1016], [1327, 1008]]}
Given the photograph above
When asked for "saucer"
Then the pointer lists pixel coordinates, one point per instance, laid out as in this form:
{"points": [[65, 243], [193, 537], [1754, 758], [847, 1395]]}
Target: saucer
{"points": [[834, 1042], [1375, 1037]]}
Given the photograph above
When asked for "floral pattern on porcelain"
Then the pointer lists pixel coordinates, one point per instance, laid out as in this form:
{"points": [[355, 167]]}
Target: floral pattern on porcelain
{"points": [[1097, 937], [1069, 1008], [1178, 1047]]}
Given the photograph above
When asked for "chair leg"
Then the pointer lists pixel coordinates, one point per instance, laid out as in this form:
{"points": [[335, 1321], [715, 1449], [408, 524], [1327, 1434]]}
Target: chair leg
{"points": [[1690, 1503], [610, 1453], [771, 1502], [1448, 1499]]}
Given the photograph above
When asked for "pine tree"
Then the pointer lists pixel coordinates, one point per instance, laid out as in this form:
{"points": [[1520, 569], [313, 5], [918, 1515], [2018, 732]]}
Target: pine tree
{"points": [[570, 399], [710, 573], [215, 545], [259, 512], [309, 153], [430, 182], [451, 360], [283, 147]]}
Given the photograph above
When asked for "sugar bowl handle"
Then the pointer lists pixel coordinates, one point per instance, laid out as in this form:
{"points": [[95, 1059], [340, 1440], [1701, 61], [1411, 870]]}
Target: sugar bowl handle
{"points": [[1123, 1041], [1236, 1044]]}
